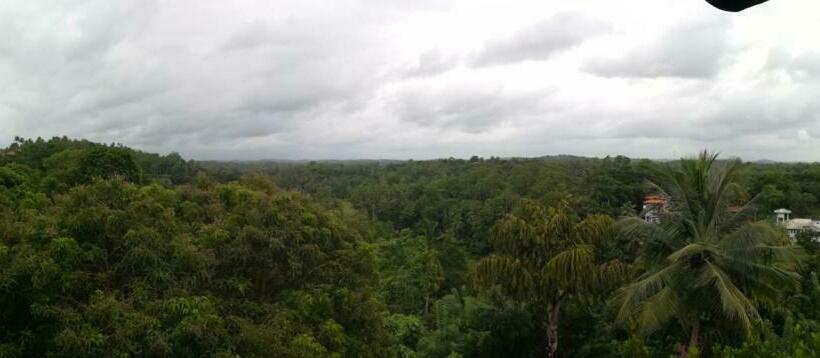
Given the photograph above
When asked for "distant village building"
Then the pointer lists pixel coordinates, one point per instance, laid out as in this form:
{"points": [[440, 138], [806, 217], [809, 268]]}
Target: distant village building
{"points": [[797, 225], [653, 207], [782, 215]]}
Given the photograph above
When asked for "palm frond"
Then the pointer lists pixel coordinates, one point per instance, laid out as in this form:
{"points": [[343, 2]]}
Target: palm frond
{"points": [[512, 235], [744, 213], [612, 274], [573, 269], [688, 251], [631, 297], [653, 237], [507, 272], [659, 309], [595, 229], [734, 304]]}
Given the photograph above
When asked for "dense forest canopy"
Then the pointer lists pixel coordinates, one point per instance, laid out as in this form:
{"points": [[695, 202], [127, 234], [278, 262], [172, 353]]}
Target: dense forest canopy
{"points": [[111, 251]]}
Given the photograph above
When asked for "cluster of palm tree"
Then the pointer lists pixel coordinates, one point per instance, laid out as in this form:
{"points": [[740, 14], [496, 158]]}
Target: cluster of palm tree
{"points": [[705, 265]]}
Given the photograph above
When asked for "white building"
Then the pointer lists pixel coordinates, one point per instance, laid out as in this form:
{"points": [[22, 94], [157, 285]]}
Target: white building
{"points": [[782, 215], [796, 225]]}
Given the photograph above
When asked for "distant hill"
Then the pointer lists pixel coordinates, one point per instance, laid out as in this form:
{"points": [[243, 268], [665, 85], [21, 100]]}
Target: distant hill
{"points": [[765, 162]]}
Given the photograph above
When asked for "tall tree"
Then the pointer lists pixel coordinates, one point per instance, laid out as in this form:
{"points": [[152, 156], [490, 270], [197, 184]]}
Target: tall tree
{"points": [[706, 264], [545, 256]]}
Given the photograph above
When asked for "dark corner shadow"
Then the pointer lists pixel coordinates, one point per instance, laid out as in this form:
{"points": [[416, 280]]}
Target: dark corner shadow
{"points": [[734, 5]]}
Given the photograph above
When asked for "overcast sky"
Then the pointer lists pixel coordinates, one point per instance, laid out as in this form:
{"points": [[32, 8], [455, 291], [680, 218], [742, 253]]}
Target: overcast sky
{"points": [[418, 79]]}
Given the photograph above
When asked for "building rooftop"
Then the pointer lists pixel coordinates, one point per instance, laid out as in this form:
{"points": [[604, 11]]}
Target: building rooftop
{"points": [[654, 200], [803, 224]]}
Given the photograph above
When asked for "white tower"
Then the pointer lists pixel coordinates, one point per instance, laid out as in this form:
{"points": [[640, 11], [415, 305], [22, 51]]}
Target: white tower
{"points": [[782, 215]]}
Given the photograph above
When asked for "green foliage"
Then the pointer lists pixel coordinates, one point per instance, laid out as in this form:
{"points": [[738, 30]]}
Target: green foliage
{"points": [[784, 185], [412, 273], [407, 330], [634, 347], [58, 164], [469, 326], [110, 251], [458, 198], [10, 178], [107, 162], [798, 339], [108, 267]]}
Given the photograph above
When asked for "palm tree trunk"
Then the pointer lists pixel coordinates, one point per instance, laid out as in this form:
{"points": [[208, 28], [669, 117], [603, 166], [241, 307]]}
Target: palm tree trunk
{"points": [[694, 337], [553, 309]]}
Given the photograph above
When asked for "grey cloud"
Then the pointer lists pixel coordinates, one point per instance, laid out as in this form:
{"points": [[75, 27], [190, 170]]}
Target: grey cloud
{"points": [[804, 67], [432, 62], [730, 119], [541, 40], [806, 64], [93, 73], [318, 79], [104, 25], [689, 50], [778, 57], [253, 34], [470, 109]]}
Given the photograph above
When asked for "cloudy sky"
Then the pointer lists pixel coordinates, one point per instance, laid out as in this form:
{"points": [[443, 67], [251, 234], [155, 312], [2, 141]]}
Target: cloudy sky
{"points": [[307, 79]]}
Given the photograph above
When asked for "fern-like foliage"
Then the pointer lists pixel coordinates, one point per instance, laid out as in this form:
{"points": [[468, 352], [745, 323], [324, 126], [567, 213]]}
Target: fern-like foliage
{"points": [[545, 254]]}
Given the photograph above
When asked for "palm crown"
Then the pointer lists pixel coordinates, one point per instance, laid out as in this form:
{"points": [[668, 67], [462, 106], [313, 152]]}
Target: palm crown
{"points": [[704, 262], [546, 255]]}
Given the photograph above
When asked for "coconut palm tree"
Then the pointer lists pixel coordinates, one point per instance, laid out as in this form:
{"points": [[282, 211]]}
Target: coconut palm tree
{"points": [[706, 261], [546, 256]]}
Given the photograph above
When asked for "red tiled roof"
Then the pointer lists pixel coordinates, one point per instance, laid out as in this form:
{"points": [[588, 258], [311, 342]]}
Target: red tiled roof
{"points": [[654, 199]]}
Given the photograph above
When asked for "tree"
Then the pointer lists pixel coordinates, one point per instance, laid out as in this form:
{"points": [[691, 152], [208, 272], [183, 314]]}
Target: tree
{"points": [[412, 273], [474, 326], [105, 162], [705, 264], [545, 256]]}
